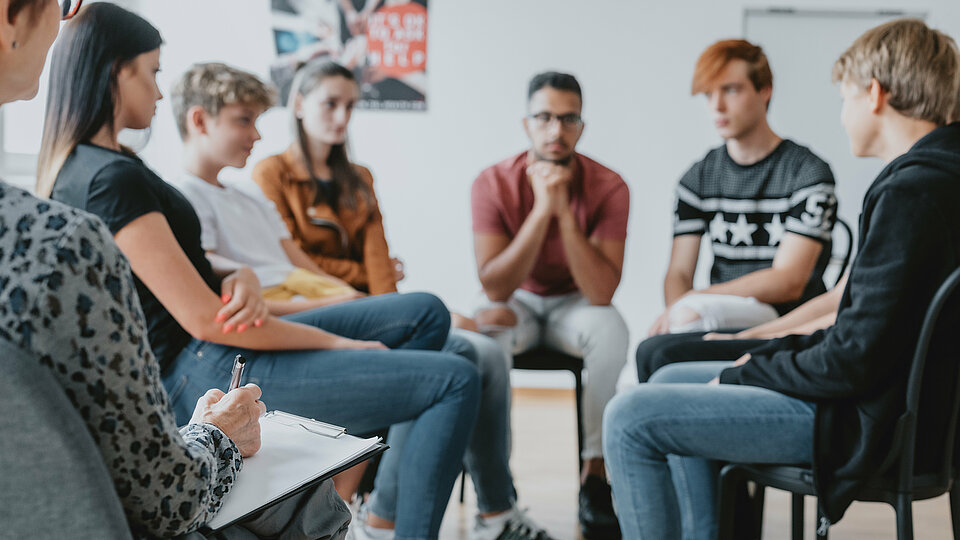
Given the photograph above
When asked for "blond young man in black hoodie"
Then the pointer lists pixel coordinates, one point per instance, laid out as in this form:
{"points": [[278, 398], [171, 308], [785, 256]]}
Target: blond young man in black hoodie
{"points": [[832, 398]]}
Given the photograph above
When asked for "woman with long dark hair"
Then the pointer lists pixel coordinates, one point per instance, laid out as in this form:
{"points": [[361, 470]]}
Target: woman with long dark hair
{"points": [[103, 81], [327, 202]]}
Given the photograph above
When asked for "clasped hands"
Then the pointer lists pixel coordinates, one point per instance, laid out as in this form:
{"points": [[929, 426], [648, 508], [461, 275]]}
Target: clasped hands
{"points": [[550, 182]]}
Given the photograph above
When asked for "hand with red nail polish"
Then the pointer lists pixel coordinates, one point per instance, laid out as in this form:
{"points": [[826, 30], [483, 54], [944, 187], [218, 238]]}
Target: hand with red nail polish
{"points": [[246, 307]]}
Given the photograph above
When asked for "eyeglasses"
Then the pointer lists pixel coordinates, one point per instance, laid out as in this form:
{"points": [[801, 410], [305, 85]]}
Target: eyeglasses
{"points": [[68, 8], [567, 121]]}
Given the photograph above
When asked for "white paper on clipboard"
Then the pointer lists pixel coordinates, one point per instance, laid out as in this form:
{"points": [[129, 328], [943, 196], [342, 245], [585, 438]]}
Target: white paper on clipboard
{"points": [[293, 452]]}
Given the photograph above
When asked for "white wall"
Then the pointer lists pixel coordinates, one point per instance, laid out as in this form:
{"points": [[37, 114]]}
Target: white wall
{"points": [[633, 58]]}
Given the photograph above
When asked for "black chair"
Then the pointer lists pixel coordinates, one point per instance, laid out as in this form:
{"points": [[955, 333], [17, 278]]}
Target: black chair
{"points": [[544, 359], [895, 483]]}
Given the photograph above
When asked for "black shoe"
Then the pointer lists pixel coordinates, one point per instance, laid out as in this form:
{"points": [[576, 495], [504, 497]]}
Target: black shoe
{"points": [[597, 520]]}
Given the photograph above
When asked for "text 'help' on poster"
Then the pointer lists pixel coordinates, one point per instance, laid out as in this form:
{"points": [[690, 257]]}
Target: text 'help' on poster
{"points": [[383, 42]]}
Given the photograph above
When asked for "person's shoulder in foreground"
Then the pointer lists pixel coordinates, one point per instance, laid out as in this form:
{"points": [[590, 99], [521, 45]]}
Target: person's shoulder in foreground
{"points": [[70, 302]]}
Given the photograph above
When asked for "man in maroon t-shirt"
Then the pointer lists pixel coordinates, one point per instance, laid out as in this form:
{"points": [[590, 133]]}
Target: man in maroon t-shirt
{"points": [[549, 232]]}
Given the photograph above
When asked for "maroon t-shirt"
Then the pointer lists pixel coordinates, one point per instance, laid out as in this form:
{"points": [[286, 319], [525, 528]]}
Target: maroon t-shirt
{"points": [[502, 198]]}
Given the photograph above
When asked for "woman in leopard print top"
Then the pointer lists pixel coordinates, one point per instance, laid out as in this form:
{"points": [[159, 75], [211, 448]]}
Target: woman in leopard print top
{"points": [[67, 298]]}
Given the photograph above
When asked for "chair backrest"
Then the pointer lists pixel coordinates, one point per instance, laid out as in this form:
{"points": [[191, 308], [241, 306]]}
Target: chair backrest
{"points": [[842, 251], [904, 443], [53, 482]]}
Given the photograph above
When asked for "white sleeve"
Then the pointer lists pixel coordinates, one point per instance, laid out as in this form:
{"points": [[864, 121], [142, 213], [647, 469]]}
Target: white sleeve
{"points": [[204, 207], [276, 222]]}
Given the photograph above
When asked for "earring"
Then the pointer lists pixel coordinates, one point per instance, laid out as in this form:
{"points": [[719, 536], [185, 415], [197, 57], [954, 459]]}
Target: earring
{"points": [[15, 45]]}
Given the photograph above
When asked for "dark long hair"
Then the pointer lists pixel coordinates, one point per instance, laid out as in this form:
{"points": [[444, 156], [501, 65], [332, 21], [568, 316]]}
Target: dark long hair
{"points": [[347, 186], [92, 49]]}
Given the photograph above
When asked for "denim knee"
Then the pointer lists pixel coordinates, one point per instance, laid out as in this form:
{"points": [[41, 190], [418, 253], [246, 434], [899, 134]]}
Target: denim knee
{"points": [[435, 317], [464, 376], [631, 417], [461, 346], [616, 418]]}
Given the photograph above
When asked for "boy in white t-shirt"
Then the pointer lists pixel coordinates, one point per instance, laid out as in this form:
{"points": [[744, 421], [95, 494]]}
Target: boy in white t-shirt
{"points": [[216, 108]]}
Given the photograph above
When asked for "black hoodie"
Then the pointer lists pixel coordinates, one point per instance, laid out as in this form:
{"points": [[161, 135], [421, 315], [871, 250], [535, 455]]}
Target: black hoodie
{"points": [[856, 370]]}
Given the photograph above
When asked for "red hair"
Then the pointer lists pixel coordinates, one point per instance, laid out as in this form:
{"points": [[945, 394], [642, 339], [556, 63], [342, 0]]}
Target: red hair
{"points": [[713, 61]]}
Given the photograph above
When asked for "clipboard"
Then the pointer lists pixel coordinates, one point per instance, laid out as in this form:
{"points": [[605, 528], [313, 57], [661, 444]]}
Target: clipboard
{"points": [[296, 453]]}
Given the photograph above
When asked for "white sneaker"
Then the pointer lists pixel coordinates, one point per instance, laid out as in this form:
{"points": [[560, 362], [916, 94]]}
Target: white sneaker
{"points": [[511, 525], [359, 530]]}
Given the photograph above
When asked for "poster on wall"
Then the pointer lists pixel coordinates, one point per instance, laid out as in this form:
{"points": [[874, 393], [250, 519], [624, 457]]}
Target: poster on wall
{"points": [[384, 43]]}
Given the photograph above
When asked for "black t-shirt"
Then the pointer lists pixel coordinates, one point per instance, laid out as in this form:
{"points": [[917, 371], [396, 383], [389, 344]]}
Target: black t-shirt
{"points": [[119, 188], [746, 210]]}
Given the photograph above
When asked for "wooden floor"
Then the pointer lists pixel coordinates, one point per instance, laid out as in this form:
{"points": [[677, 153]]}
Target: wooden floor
{"points": [[545, 472]]}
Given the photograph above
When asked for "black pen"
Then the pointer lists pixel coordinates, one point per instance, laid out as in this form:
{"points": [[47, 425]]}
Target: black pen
{"points": [[238, 363]]}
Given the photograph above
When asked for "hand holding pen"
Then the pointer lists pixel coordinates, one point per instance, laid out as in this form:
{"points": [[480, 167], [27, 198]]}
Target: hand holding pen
{"points": [[237, 412]]}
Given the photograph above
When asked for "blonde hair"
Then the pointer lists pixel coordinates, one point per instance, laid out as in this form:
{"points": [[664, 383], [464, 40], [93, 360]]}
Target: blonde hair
{"points": [[213, 86], [918, 66]]}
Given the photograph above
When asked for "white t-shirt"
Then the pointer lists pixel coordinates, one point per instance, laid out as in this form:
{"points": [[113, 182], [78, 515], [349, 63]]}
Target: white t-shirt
{"points": [[239, 227]]}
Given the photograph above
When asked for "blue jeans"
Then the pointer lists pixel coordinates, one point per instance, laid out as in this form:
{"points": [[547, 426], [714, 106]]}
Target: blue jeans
{"points": [[488, 454], [364, 390], [662, 443]]}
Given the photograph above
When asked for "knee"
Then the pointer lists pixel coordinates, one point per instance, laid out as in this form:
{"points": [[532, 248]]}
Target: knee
{"points": [[670, 373], [649, 356], [617, 418], [466, 377], [428, 304], [604, 338], [461, 346], [492, 360], [433, 315], [629, 416], [606, 323], [683, 315], [496, 316]]}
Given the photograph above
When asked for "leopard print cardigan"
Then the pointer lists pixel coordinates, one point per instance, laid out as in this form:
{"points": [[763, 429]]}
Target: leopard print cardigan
{"points": [[68, 298]]}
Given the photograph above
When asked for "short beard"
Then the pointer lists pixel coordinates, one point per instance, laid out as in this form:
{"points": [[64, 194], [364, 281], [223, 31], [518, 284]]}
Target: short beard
{"points": [[564, 161]]}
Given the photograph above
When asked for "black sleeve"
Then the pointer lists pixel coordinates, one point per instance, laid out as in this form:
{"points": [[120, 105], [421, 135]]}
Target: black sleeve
{"points": [[688, 214], [889, 288], [120, 193]]}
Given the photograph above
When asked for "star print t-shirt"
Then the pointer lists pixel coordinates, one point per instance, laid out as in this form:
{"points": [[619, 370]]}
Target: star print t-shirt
{"points": [[747, 210]]}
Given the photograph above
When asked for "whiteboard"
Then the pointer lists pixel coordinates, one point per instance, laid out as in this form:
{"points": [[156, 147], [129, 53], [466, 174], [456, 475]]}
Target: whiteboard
{"points": [[802, 46]]}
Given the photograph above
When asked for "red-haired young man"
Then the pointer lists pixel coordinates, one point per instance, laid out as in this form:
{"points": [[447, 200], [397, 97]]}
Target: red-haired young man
{"points": [[767, 204]]}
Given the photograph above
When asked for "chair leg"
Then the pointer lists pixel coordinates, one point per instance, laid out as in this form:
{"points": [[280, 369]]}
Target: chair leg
{"points": [[904, 510], [759, 494], [463, 485], [578, 388], [796, 519], [730, 478], [825, 533], [955, 510]]}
